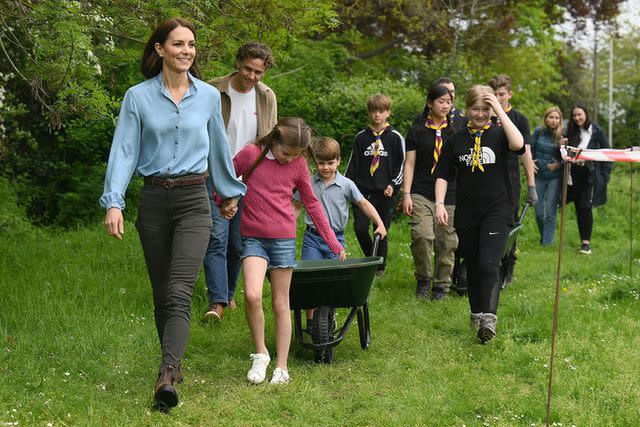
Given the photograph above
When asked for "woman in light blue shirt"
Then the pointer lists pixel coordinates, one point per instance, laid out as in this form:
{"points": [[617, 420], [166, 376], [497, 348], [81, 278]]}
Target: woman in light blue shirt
{"points": [[170, 131]]}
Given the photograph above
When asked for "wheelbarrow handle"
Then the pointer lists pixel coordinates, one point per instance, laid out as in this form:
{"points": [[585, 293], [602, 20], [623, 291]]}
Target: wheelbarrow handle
{"points": [[376, 241], [524, 211]]}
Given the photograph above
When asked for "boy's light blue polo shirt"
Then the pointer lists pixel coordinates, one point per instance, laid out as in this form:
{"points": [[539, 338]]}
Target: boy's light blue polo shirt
{"points": [[335, 199], [155, 137]]}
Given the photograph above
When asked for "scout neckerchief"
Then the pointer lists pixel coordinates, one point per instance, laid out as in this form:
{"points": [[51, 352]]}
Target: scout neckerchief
{"points": [[506, 109], [375, 161], [477, 133], [437, 148]]}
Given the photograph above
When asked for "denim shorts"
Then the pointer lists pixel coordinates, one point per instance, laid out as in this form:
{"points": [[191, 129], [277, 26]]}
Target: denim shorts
{"points": [[279, 253]]}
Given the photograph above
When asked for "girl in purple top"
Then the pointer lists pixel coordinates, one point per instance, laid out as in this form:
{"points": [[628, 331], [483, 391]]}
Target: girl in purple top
{"points": [[272, 168]]}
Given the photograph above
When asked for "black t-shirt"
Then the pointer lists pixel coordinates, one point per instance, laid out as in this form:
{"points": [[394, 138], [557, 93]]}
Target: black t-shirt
{"points": [[480, 196], [458, 118], [522, 123], [422, 139]]}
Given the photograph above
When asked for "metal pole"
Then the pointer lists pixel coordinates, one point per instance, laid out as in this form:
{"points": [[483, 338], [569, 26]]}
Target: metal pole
{"points": [[595, 73], [565, 179], [611, 90], [631, 220]]}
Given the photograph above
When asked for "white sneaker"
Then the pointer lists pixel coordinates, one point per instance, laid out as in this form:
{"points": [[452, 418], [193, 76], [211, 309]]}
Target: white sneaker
{"points": [[258, 371], [280, 376]]}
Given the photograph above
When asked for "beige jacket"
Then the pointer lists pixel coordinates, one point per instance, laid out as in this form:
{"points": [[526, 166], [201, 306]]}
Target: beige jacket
{"points": [[266, 104]]}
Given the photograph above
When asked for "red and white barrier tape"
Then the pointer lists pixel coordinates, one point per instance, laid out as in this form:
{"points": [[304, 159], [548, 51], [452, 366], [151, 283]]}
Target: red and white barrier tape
{"points": [[572, 154]]}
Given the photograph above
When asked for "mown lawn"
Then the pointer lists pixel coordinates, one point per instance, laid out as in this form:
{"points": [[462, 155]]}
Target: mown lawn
{"points": [[79, 345]]}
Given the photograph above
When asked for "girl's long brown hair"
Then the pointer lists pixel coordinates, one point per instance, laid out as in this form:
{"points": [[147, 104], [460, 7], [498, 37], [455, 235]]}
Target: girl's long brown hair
{"points": [[292, 132]]}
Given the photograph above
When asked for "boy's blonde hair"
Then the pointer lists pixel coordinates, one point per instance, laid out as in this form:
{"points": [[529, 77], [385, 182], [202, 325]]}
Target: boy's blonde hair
{"points": [[326, 149], [499, 81], [379, 102], [475, 94]]}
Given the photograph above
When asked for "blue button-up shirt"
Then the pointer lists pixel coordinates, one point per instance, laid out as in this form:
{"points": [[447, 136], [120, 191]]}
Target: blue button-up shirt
{"points": [[156, 137], [335, 198]]}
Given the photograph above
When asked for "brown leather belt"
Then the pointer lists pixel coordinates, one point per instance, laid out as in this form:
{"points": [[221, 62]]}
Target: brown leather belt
{"points": [[178, 181]]}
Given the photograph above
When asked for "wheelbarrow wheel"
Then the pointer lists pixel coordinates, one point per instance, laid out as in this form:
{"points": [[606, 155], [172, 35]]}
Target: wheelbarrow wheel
{"points": [[323, 328], [363, 326]]}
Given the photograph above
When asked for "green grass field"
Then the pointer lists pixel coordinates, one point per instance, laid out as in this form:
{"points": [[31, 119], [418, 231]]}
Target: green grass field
{"points": [[79, 345]]}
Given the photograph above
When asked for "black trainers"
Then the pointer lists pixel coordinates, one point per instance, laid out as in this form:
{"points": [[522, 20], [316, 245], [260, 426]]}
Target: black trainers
{"points": [[585, 249], [422, 288], [439, 291]]}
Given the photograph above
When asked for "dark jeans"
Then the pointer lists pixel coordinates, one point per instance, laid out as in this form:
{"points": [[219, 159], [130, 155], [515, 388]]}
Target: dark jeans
{"points": [[585, 222], [222, 259], [173, 224], [482, 247], [362, 224]]}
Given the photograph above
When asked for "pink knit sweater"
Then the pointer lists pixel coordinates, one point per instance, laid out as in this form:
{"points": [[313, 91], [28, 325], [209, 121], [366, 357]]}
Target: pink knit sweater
{"points": [[266, 207]]}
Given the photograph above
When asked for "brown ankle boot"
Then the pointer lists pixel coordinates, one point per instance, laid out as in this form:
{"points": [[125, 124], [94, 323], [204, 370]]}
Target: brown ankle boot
{"points": [[165, 395]]}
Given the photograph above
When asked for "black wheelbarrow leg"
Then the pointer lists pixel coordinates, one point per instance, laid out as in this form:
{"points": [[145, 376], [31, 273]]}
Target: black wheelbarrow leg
{"points": [[508, 244], [297, 323], [364, 329]]}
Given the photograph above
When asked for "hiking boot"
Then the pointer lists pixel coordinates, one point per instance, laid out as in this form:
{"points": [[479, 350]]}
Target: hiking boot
{"points": [[585, 249], [422, 288], [474, 321], [215, 312], [439, 291], [165, 395], [487, 328]]}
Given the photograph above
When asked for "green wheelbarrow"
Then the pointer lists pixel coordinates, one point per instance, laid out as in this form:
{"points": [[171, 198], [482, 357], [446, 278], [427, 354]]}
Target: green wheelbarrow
{"points": [[325, 285]]}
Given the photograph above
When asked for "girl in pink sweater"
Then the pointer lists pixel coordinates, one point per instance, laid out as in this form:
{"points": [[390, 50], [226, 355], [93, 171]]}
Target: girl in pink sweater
{"points": [[272, 168]]}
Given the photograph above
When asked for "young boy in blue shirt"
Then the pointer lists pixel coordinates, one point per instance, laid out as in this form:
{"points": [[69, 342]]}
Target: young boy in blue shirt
{"points": [[335, 193]]}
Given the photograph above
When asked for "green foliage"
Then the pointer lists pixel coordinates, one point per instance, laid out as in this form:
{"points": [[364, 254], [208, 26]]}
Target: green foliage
{"points": [[329, 89], [626, 113], [64, 67], [13, 218]]}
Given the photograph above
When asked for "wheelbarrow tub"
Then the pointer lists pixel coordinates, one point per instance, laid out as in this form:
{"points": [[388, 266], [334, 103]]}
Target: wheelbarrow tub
{"points": [[332, 283], [511, 237]]}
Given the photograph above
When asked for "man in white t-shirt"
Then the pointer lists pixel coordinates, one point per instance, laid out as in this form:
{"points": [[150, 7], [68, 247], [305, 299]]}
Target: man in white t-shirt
{"points": [[249, 110]]}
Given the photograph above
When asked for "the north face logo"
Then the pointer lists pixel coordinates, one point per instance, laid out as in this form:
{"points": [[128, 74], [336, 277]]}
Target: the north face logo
{"points": [[487, 157]]}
